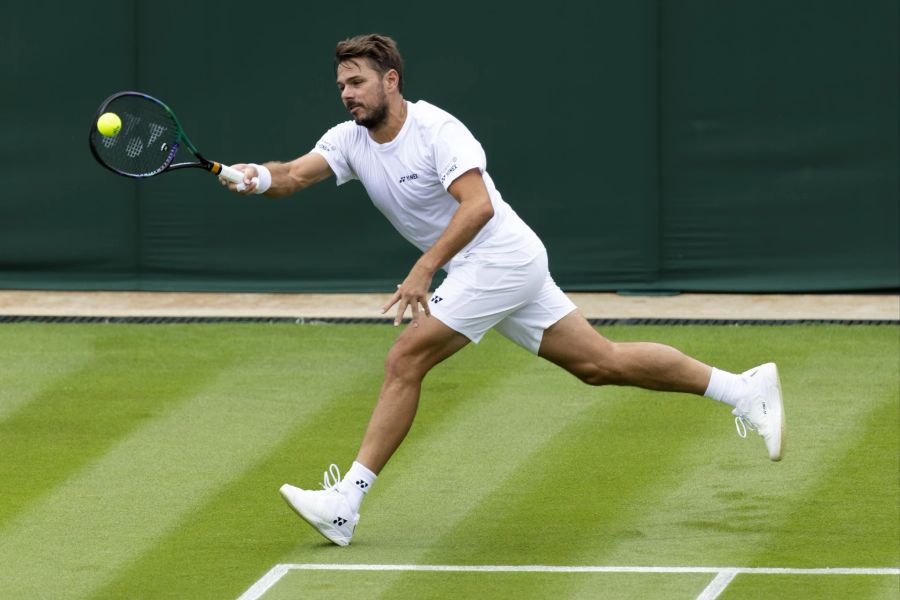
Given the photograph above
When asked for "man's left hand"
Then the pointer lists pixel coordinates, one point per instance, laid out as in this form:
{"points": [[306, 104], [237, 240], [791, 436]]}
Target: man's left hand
{"points": [[412, 293]]}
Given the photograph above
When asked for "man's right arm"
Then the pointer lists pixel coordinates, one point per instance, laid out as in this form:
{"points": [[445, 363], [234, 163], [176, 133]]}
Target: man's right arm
{"points": [[288, 177]]}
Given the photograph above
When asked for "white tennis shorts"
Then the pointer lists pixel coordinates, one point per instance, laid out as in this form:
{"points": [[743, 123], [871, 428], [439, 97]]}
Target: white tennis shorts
{"points": [[512, 292]]}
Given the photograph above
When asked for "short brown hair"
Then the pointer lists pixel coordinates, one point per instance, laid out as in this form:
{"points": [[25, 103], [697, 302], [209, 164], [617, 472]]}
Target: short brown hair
{"points": [[379, 49]]}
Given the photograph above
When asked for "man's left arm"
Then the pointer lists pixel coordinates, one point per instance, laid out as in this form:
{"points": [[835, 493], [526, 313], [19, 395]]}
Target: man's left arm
{"points": [[474, 212]]}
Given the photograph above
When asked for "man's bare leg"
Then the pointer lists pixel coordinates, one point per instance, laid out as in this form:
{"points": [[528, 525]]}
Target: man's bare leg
{"points": [[577, 347], [415, 352], [334, 511], [754, 395]]}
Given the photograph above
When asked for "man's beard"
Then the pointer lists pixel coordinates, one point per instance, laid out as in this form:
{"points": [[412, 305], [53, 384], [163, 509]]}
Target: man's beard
{"points": [[378, 116]]}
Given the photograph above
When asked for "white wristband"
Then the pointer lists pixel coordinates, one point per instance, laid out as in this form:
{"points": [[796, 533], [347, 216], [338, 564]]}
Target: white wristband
{"points": [[265, 179]]}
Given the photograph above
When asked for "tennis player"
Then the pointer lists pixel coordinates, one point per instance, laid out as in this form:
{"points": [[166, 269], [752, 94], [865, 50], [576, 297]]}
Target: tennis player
{"points": [[427, 173]]}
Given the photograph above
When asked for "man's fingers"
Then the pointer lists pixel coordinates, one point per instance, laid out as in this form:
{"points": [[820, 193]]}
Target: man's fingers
{"points": [[401, 308], [392, 301], [407, 301]]}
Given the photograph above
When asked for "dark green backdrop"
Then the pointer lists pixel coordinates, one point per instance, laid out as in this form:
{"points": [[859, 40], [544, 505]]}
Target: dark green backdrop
{"points": [[749, 145]]}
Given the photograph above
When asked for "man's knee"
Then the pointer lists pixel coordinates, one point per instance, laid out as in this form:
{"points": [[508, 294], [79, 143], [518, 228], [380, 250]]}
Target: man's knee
{"points": [[404, 363], [599, 369], [595, 374]]}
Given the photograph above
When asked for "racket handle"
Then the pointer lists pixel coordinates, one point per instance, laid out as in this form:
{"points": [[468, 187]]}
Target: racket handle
{"points": [[232, 175], [236, 176]]}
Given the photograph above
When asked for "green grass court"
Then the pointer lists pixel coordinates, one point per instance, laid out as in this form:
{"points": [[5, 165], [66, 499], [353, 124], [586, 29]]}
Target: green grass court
{"points": [[143, 462]]}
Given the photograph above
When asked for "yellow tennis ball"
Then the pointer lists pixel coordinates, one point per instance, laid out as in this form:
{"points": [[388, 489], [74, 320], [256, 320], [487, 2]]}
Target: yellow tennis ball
{"points": [[109, 124]]}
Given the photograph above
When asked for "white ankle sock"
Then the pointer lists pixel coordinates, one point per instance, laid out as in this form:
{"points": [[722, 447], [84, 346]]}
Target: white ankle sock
{"points": [[356, 483], [725, 387]]}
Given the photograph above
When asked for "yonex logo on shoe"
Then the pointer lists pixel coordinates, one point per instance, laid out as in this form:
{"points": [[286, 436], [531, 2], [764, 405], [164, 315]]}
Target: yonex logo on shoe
{"points": [[362, 484], [339, 521]]}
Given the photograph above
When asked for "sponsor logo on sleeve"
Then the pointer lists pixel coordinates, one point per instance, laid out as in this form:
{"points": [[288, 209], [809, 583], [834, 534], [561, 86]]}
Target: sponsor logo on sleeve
{"points": [[450, 169], [326, 146]]}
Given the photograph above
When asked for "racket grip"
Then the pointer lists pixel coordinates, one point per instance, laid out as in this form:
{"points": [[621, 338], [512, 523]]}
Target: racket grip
{"points": [[236, 176], [232, 175]]}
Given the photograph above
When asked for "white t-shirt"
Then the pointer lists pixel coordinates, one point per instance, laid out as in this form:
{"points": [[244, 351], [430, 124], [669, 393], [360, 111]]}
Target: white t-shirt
{"points": [[407, 178]]}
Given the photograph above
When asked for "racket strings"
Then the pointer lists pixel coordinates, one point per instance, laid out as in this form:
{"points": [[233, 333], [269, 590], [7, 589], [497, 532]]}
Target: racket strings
{"points": [[147, 142]]}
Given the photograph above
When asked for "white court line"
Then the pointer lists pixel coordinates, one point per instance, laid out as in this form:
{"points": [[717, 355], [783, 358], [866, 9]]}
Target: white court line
{"points": [[265, 582], [724, 575], [717, 585]]}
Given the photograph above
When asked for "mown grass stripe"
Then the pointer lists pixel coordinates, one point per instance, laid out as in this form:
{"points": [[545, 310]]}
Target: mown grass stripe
{"points": [[100, 520], [32, 360], [130, 375]]}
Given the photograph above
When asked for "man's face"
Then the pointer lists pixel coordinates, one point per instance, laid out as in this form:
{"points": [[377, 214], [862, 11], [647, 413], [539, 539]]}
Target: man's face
{"points": [[362, 92]]}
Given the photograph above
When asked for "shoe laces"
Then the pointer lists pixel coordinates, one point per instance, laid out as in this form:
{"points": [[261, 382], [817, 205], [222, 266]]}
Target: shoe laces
{"points": [[742, 423], [332, 477], [743, 419]]}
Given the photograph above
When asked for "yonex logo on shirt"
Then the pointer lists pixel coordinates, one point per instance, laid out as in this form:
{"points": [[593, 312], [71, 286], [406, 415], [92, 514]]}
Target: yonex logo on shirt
{"points": [[325, 146], [409, 177], [447, 172]]}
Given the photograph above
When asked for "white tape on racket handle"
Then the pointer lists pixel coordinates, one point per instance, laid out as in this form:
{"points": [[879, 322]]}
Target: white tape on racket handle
{"points": [[235, 176], [232, 175]]}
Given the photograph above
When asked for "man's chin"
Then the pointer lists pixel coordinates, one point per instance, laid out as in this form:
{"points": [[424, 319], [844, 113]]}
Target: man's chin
{"points": [[368, 123]]}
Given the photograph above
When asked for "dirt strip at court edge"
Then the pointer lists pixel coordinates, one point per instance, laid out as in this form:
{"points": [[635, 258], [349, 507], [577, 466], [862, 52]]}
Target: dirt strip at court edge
{"points": [[368, 306]]}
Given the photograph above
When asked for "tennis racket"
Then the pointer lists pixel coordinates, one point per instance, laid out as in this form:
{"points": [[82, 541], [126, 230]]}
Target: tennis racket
{"points": [[148, 140]]}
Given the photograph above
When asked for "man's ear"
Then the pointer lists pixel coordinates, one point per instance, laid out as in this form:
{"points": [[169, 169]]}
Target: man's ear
{"points": [[392, 79]]}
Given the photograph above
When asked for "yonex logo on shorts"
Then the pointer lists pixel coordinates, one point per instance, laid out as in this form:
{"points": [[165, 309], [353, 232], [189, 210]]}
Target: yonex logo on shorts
{"points": [[436, 299]]}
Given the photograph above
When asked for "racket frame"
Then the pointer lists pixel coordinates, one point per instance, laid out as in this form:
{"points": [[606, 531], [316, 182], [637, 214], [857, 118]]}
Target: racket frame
{"points": [[180, 136]]}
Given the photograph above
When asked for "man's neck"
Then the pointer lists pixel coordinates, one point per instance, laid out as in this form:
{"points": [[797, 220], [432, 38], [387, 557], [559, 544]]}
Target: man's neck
{"points": [[393, 124]]}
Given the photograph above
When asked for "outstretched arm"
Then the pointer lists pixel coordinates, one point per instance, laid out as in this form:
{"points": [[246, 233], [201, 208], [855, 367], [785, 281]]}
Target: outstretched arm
{"points": [[287, 178]]}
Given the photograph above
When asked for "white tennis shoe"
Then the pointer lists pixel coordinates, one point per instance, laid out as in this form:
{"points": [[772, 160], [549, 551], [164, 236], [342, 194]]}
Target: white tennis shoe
{"points": [[762, 409], [327, 510]]}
